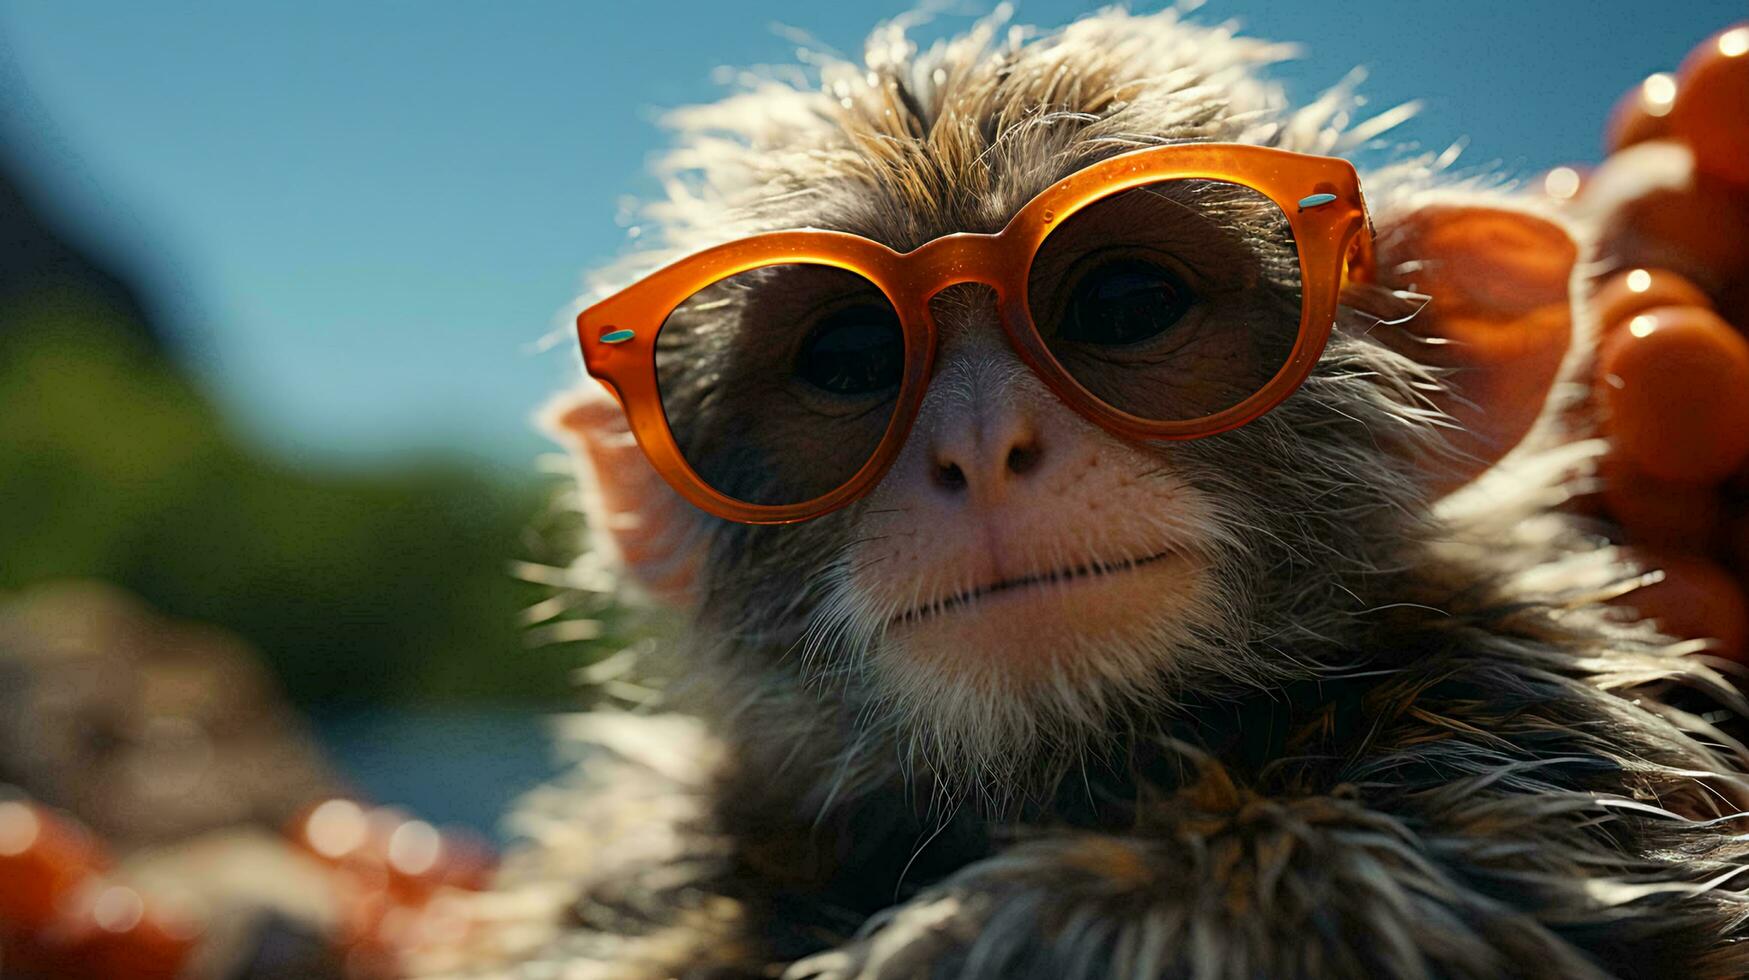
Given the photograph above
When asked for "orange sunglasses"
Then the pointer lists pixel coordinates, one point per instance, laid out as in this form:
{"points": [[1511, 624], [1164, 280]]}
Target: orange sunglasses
{"points": [[815, 414]]}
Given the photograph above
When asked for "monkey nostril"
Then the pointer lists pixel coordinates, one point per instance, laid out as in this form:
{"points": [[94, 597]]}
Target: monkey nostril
{"points": [[947, 473], [949, 476]]}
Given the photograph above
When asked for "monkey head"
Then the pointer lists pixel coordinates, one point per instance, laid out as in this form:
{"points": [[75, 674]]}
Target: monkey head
{"points": [[1022, 581]]}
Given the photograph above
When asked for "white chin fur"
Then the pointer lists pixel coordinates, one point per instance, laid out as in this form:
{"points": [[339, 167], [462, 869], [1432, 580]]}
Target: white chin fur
{"points": [[967, 699]]}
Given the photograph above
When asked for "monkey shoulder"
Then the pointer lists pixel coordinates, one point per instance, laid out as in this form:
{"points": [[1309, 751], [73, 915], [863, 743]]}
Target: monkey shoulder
{"points": [[1485, 799]]}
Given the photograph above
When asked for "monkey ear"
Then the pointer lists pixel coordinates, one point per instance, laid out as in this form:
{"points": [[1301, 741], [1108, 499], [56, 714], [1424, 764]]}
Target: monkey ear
{"points": [[635, 519], [1498, 321]]}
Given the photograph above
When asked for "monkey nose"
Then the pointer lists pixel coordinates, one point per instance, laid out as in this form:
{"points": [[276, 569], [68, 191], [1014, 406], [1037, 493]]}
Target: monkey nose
{"points": [[987, 465]]}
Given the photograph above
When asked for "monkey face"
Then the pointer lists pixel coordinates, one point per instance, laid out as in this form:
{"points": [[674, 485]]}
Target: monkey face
{"points": [[1018, 572], [1017, 565]]}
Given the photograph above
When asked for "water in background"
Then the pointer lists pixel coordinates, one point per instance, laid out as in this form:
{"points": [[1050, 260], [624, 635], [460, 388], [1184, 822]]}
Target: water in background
{"points": [[448, 767]]}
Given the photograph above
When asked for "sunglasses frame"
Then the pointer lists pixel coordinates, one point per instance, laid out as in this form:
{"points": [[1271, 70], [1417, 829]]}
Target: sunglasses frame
{"points": [[1320, 196]]}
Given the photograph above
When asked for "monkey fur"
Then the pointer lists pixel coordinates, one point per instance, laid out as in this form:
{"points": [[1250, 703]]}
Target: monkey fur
{"points": [[1414, 742]]}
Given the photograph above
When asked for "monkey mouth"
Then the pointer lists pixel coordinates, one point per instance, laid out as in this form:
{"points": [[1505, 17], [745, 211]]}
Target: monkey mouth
{"points": [[962, 600]]}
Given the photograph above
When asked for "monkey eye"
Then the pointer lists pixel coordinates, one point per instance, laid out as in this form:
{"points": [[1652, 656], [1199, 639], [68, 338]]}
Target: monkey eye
{"points": [[1124, 301], [854, 351]]}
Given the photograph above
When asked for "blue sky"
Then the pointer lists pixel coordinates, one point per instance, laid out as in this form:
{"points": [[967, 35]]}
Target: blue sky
{"points": [[358, 219]]}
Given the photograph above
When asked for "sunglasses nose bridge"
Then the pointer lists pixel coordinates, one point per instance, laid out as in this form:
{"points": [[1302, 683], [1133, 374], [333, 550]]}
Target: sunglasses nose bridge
{"points": [[952, 260]]}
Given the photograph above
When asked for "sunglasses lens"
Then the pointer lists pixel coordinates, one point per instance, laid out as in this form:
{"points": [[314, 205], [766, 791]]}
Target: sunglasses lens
{"points": [[778, 383], [1171, 301]]}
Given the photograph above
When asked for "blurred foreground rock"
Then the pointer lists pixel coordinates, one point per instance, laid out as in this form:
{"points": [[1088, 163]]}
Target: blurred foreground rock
{"points": [[170, 744], [163, 815], [148, 729]]}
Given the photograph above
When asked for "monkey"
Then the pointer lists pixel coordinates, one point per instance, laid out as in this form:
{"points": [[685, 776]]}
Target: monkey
{"points": [[1332, 693]]}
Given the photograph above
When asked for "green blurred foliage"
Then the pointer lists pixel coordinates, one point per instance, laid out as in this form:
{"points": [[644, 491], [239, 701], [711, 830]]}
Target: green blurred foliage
{"points": [[358, 587]]}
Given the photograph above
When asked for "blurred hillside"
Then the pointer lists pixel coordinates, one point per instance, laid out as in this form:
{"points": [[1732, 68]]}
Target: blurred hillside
{"points": [[390, 585]]}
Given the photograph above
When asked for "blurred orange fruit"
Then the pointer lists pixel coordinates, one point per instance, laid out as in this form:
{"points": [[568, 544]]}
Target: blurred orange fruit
{"points": [[1675, 393], [1696, 600], [1711, 110], [1698, 228], [1631, 293], [140, 949], [1658, 513], [1641, 114], [44, 859]]}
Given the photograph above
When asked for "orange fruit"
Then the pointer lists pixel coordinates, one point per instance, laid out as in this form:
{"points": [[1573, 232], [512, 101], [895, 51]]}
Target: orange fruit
{"points": [[44, 861], [1696, 600], [1711, 110], [1641, 114], [145, 950], [1631, 293], [1674, 387], [1698, 227], [1658, 513]]}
